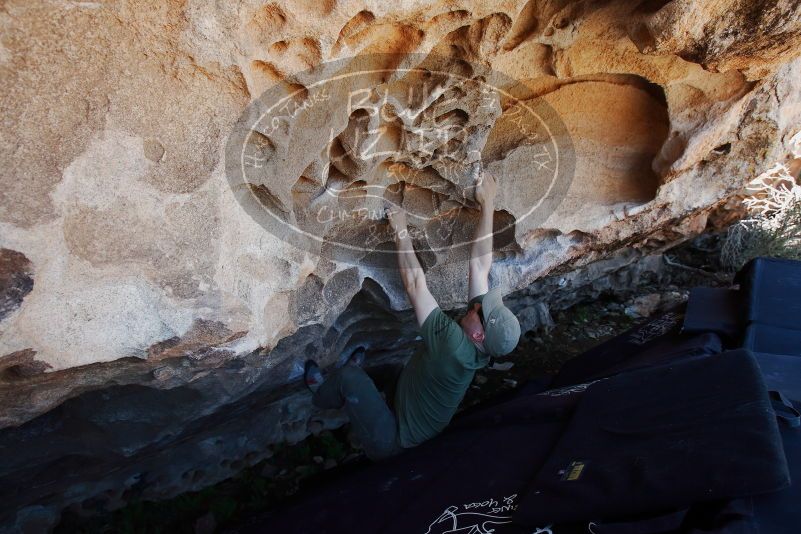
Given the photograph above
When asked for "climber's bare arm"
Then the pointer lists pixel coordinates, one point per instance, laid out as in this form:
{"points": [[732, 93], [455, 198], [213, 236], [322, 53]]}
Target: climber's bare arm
{"points": [[481, 249], [412, 275]]}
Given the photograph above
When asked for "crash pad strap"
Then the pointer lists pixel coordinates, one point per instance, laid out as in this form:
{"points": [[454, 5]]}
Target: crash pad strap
{"points": [[785, 411]]}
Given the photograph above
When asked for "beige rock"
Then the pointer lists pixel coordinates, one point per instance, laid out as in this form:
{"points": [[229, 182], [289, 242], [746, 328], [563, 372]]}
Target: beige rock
{"points": [[644, 305], [711, 33]]}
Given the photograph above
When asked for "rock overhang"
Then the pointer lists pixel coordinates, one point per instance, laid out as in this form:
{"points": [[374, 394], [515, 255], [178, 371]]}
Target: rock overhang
{"points": [[139, 253]]}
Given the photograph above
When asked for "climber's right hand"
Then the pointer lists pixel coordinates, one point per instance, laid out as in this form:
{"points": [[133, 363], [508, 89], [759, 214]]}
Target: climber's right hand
{"points": [[486, 189], [397, 218]]}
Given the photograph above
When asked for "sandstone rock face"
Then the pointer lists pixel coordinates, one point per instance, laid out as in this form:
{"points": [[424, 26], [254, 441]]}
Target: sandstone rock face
{"points": [[128, 257], [711, 33], [116, 117]]}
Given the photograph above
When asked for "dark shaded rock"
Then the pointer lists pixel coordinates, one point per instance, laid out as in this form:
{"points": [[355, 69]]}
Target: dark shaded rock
{"points": [[16, 280], [163, 373], [20, 364], [205, 524], [268, 471], [330, 463]]}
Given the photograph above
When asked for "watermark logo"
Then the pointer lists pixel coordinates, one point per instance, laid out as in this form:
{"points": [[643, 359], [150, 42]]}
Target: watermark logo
{"points": [[317, 158]]}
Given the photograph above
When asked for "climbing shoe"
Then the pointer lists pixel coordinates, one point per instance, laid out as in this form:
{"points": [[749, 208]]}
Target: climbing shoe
{"points": [[357, 357], [312, 376]]}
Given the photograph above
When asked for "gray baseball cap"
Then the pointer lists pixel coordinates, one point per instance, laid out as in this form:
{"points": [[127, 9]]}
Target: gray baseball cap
{"points": [[501, 327]]}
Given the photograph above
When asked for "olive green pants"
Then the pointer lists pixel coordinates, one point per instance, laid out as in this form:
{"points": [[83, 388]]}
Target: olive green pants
{"points": [[372, 421]]}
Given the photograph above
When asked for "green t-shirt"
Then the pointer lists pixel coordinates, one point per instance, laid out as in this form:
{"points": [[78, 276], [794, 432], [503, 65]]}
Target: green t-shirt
{"points": [[435, 379]]}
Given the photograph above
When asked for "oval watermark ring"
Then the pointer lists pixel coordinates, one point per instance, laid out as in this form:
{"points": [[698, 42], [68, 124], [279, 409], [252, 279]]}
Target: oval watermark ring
{"points": [[317, 157]]}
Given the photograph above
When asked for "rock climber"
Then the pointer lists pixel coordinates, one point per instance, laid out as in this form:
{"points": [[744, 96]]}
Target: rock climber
{"points": [[435, 379]]}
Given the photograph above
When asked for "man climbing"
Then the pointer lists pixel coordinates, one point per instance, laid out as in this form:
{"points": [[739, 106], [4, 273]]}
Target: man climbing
{"points": [[434, 381]]}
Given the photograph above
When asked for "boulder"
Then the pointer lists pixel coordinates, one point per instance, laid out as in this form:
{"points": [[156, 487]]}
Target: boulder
{"points": [[191, 195]]}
